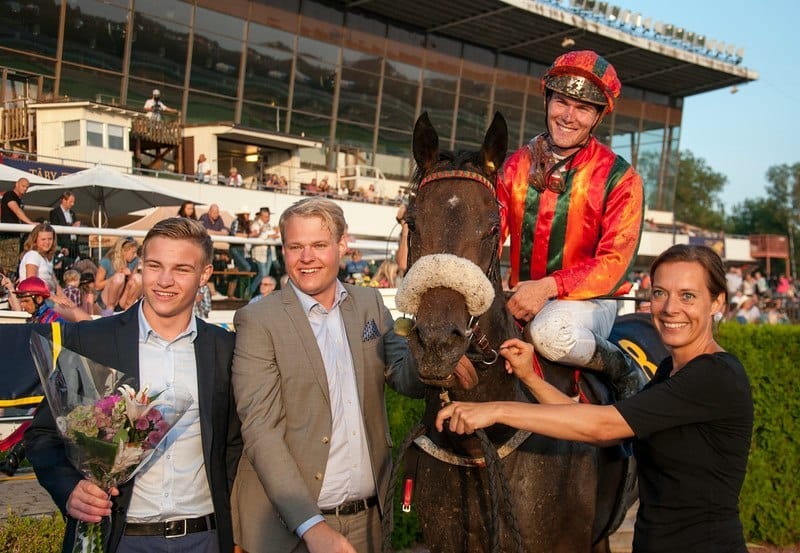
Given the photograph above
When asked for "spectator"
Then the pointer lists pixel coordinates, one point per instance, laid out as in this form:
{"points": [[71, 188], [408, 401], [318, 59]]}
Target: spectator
{"points": [[12, 211], [324, 188], [72, 282], [63, 215], [311, 187], [265, 286], [155, 107], [784, 286], [733, 279], [263, 255], [119, 278], [762, 289], [187, 210], [88, 294], [239, 227], [234, 178], [357, 266], [749, 312], [213, 223], [749, 285], [203, 169], [31, 294], [37, 257], [386, 275]]}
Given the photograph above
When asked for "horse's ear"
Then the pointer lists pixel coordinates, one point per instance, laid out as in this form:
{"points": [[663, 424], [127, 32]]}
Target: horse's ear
{"points": [[495, 143], [425, 142]]}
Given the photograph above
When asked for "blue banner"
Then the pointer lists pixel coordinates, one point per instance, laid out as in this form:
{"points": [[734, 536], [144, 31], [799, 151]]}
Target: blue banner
{"points": [[50, 171]]}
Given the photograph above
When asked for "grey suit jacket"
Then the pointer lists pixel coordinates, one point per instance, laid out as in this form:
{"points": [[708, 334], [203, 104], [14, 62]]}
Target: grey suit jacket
{"points": [[281, 393]]}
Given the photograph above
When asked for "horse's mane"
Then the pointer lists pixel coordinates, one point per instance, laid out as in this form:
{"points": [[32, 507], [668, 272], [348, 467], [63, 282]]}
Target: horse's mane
{"points": [[468, 160]]}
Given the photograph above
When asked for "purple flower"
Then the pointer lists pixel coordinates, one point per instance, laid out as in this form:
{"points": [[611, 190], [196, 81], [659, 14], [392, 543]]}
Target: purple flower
{"points": [[142, 424], [153, 438], [154, 415], [162, 426], [106, 405]]}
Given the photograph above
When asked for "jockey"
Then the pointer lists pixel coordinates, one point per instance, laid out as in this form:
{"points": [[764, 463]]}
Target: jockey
{"points": [[573, 210], [31, 294]]}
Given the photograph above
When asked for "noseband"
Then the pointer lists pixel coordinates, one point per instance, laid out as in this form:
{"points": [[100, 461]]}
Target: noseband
{"points": [[474, 333]]}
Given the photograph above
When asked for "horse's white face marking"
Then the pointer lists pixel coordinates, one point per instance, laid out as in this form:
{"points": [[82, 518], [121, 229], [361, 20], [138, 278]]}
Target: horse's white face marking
{"points": [[453, 201]]}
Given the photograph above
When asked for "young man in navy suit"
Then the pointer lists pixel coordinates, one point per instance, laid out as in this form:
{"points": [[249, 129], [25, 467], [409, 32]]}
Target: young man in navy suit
{"points": [[181, 502]]}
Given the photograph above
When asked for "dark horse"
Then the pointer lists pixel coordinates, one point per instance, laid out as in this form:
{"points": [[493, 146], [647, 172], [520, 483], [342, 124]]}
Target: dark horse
{"points": [[553, 496]]}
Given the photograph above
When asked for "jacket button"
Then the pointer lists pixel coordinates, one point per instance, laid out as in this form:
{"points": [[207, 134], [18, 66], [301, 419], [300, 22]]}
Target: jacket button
{"points": [[318, 476], [325, 440]]}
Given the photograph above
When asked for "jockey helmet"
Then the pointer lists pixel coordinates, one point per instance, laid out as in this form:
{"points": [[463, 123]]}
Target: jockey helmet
{"points": [[32, 286], [586, 76]]}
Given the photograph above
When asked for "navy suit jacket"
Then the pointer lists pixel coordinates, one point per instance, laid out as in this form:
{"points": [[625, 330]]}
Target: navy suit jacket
{"points": [[113, 341]]}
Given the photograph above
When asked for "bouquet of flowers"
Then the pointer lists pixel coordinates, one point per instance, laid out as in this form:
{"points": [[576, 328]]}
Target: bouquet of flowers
{"points": [[110, 429]]}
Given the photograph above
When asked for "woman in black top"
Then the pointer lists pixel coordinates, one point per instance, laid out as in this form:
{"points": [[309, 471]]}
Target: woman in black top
{"points": [[691, 424]]}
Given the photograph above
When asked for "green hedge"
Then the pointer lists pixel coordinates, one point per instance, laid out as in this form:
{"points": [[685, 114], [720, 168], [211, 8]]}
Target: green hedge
{"points": [[32, 534], [769, 507]]}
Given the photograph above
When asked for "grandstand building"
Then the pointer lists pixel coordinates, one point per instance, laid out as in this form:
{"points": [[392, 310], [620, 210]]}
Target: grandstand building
{"points": [[311, 89]]}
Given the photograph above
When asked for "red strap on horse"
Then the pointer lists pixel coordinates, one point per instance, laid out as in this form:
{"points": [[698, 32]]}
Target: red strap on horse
{"points": [[16, 436], [576, 375]]}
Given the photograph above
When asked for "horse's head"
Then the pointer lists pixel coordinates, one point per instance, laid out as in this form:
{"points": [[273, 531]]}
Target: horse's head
{"points": [[453, 233]]}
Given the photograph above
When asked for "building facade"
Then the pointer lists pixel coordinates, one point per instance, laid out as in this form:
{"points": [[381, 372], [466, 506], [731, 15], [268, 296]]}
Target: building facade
{"points": [[320, 70]]}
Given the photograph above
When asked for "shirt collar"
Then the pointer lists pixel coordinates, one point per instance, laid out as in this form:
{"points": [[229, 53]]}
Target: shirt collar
{"points": [[309, 303], [145, 330]]}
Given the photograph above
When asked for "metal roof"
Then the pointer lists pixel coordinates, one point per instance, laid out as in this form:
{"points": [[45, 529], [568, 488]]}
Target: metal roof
{"points": [[534, 30]]}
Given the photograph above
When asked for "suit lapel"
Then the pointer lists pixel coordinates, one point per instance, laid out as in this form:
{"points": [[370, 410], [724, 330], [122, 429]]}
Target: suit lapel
{"points": [[127, 340], [299, 320], [352, 327], [205, 359]]}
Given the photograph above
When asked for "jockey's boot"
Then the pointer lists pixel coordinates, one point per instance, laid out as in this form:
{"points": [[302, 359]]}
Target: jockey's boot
{"points": [[11, 463], [626, 377]]}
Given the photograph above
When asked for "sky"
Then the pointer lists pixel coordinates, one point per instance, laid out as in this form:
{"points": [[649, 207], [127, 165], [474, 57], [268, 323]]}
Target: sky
{"points": [[741, 135]]}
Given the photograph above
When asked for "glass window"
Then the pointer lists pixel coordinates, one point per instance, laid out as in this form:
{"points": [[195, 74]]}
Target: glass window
{"points": [[206, 108], [439, 106], [269, 65], [441, 81], [94, 34], [116, 137], [406, 36], [72, 133], [361, 61], [159, 49], [399, 104], [215, 63], [94, 134], [89, 84], [317, 52], [358, 96], [218, 23], [471, 124], [30, 26], [267, 117], [315, 77], [351, 134], [513, 116], [534, 118], [166, 13], [310, 125]]}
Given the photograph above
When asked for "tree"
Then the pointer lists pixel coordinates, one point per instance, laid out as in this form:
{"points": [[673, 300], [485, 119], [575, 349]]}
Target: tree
{"points": [[697, 193]]}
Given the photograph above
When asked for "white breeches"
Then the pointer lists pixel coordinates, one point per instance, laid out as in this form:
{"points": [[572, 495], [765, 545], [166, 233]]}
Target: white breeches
{"points": [[564, 330]]}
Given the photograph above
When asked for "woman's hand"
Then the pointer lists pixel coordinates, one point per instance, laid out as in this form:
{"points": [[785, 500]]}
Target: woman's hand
{"points": [[519, 358], [466, 418]]}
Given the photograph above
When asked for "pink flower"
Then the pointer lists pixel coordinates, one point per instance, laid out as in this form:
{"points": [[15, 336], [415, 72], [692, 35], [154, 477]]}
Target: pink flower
{"points": [[142, 424], [153, 438], [163, 427]]}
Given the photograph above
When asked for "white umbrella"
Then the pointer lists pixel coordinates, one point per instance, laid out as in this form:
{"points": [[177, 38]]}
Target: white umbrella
{"points": [[10, 174], [112, 192]]}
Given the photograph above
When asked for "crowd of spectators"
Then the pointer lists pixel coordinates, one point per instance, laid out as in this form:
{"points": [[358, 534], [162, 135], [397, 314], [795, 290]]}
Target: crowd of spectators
{"points": [[755, 298]]}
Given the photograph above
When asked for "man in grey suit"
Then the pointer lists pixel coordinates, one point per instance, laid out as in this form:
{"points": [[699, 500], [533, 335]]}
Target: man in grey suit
{"points": [[309, 369]]}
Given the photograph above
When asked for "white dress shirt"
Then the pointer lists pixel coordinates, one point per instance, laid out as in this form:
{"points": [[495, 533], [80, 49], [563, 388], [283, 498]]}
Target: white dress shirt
{"points": [[173, 485]]}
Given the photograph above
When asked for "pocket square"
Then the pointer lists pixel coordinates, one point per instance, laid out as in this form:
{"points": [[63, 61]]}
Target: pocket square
{"points": [[371, 331]]}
